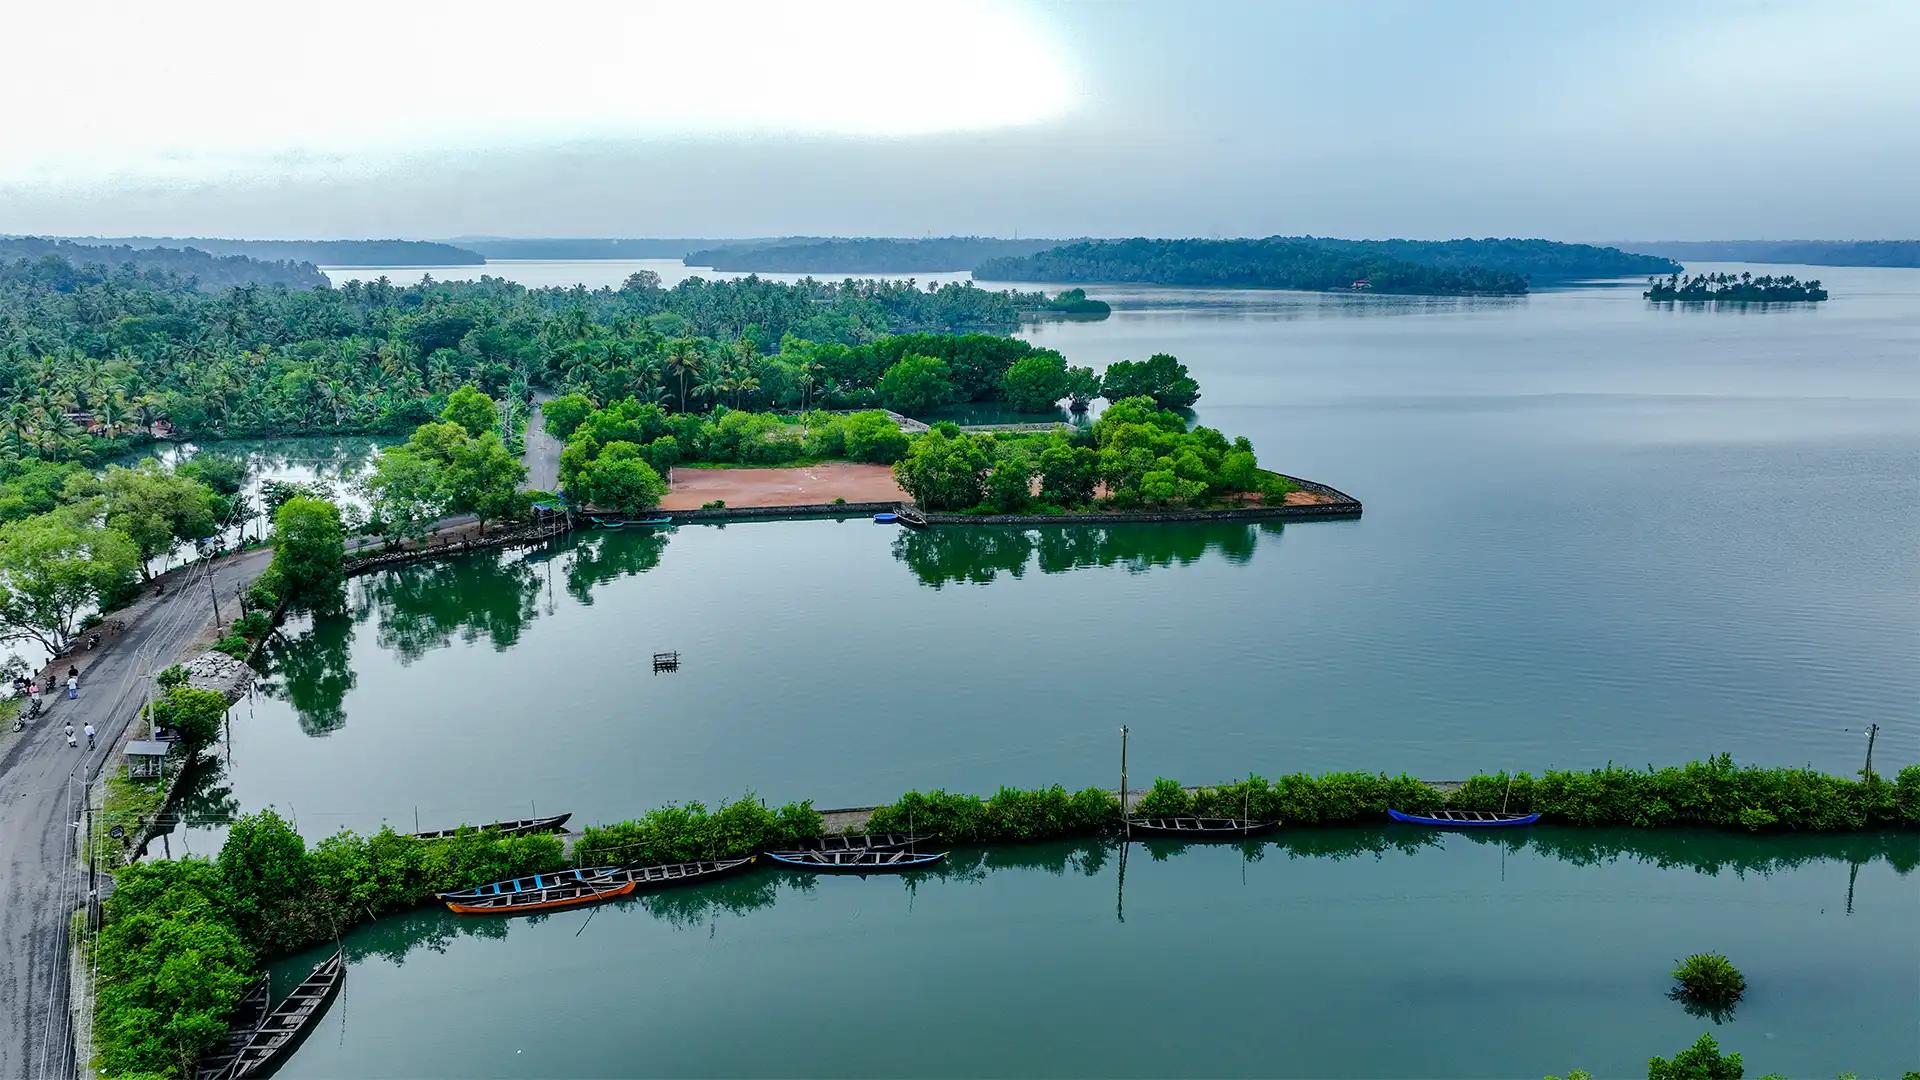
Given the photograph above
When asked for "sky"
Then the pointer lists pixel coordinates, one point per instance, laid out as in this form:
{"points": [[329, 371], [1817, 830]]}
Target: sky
{"points": [[428, 119]]}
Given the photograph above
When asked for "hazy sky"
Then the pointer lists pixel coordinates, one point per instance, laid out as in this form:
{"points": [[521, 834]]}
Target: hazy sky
{"points": [[1430, 119]]}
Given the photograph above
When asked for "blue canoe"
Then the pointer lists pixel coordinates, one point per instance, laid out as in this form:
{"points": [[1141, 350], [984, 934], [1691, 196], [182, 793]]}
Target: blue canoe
{"points": [[1463, 819], [532, 883], [885, 519]]}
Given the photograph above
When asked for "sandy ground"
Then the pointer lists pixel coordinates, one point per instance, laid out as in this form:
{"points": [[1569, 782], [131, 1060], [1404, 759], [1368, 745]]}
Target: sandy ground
{"points": [[804, 485]]}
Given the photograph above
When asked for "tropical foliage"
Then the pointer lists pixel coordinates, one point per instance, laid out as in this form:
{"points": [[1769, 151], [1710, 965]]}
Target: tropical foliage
{"points": [[180, 938], [1272, 263], [686, 833], [1727, 288]]}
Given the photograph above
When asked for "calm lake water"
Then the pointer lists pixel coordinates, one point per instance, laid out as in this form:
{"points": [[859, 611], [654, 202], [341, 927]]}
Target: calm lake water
{"points": [[1596, 530], [1336, 953]]}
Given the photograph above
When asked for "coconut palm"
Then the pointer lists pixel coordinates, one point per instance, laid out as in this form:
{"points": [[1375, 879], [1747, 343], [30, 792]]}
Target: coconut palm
{"points": [[683, 360]]}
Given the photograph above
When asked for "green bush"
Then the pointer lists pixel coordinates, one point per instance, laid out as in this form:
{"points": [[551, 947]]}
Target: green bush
{"points": [[685, 833], [1709, 979], [171, 968], [1167, 798], [234, 645], [174, 675], [1701, 1061]]}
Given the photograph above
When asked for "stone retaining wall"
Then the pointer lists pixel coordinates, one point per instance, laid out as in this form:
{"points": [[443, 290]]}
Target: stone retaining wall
{"points": [[524, 537]]}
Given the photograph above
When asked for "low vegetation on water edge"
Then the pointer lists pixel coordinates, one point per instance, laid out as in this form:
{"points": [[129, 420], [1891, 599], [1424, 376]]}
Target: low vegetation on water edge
{"points": [[1011, 815], [1715, 793], [181, 938], [1708, 980], [1137, 455], [690, 832]]}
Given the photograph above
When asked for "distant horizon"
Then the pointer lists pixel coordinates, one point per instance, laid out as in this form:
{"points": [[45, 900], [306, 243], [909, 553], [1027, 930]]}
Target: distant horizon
{"points": [[748, 237]]}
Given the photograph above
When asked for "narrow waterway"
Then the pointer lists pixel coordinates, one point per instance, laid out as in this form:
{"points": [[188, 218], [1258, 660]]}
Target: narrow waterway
{"points": [[1335, 953]]}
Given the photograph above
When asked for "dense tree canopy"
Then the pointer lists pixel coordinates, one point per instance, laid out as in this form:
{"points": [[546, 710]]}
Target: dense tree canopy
{"points": [[1160, 377], [309, 547], [56, 566], [1274, 263]]}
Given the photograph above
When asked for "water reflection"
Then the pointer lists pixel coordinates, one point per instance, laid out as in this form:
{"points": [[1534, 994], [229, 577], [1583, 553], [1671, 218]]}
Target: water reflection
{"points": [[313, 671], [610, 556], [701, 907], [979, 554], [421, 606]]}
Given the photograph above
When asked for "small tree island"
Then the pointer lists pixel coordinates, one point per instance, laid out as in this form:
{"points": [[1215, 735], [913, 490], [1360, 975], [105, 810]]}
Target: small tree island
{"points": [[1726, 288]]}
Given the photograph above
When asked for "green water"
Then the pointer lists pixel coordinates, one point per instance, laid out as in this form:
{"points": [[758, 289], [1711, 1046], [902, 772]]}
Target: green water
{"points": [[1337, 953], [1596, 530]]}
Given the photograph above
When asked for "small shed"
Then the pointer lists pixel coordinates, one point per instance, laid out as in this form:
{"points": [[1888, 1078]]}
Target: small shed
{"points": [[146, 760]]}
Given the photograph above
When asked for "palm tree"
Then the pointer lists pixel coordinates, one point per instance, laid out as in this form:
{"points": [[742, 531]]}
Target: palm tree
{"points": [[713, 382], [683, 359]]}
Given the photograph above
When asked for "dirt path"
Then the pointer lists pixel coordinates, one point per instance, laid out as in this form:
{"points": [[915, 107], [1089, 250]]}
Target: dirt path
{"points": [[542, 450], [802, 485]]}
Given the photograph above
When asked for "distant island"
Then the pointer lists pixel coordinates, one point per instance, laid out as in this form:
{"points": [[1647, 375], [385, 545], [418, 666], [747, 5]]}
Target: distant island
{"points": [[1727, 288], [1541, 262], [1274, 263], [561, 247], [318, 252], [65, 265], [1801, 252], [864, 255], [1074, 303]]}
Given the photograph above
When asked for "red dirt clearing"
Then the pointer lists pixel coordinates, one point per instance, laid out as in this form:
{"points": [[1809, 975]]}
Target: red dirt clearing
{"points": [[803, 485]]}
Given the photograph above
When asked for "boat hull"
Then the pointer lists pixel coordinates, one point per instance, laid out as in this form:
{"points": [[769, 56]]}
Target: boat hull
{"points": [[1499, 821], [1205, 829], [273, 1042], [525, 903], [518, 827], [862, 863]]}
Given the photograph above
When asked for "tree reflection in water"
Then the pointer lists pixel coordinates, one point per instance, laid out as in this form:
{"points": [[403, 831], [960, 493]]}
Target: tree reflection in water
{"points": [[421, 606], [700, 906], [977, 554], [598, 559], [313, 671]]}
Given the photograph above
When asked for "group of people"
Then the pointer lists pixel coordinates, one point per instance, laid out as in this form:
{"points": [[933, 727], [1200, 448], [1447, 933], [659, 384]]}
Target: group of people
{"points": [[31, 688]]}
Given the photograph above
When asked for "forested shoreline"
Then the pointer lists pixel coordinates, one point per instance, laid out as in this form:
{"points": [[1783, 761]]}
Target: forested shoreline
{"points": [[1274, 263], [864, 255], [62, 264], [318, 252]]}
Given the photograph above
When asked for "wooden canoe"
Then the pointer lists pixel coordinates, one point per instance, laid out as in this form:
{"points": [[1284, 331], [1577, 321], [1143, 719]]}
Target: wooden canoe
{"points": [[856, 862], [516, 827], [856, 842], [247, 1018], [1199, 828], [911, 518], [1457, 819], [559, 896], [668, 875], [290, 1022]]}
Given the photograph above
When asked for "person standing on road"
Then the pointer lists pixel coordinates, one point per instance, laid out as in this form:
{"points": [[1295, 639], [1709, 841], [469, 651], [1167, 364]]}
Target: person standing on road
{"points": [[89, 730], [73, 687], [71, 741]]}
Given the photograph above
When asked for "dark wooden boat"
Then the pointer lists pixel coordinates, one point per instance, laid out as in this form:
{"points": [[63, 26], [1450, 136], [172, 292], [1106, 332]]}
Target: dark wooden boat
{"points": [[855, 842], [1199, 828], [579, 894], [530, 883], [911, 518], [668, 875], [290, 1021], [247, 1018], [516, 827], [1462, 819], [856, 862]]}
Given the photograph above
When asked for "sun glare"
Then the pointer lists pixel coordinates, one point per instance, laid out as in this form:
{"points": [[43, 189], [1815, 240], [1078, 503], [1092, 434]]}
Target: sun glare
{"points": [[227, 87]]}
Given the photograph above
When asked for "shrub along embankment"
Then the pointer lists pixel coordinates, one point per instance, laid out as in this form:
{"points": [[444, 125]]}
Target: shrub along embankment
{"points": [[181, 938], [1715, 793]]}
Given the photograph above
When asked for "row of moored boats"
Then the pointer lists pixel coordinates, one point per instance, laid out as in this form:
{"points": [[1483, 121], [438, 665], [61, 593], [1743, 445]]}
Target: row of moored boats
{"points": [[261, 1036]]}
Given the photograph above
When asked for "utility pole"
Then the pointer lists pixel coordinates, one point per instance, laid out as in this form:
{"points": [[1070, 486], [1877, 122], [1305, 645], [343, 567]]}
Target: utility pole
{"points": [[1873, 732], [1126, 825], [215, 593]]}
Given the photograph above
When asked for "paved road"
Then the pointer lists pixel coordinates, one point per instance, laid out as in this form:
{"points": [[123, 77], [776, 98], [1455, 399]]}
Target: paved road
{"points": [[41, 783], [542, 449]]}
